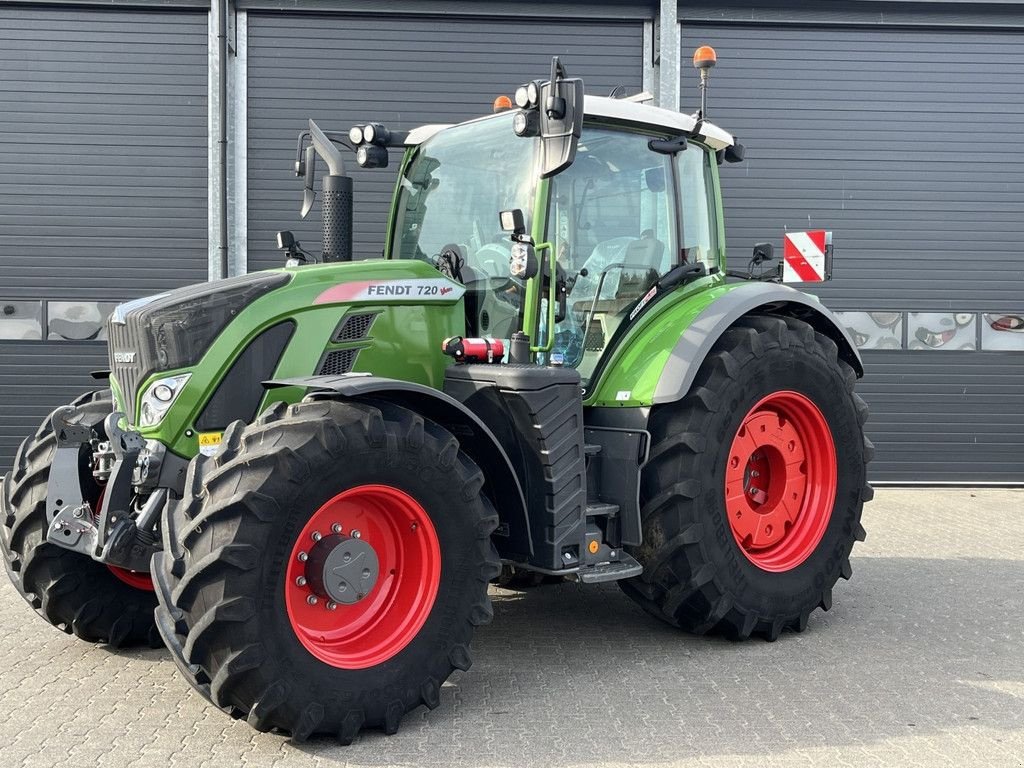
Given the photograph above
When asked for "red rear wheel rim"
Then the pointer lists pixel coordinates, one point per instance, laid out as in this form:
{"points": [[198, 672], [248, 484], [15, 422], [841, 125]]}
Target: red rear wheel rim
{"points": [[383, 622], [780, 481], [138, 579]]}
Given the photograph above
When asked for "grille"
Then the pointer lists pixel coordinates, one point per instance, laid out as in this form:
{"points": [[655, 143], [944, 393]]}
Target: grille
{"points": [[338, 362], [354, 327], [120, 340]]}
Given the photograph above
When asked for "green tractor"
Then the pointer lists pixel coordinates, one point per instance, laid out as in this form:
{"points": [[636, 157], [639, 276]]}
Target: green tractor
{"points": [[303, 480]]}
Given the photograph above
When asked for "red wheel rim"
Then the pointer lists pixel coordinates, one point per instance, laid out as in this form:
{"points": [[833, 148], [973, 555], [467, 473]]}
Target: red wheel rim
{"points": [[780, 481], [383, 622], [138, 579]]}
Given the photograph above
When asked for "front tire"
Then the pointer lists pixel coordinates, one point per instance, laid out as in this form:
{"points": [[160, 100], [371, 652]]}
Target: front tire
{"points": [[249, 552], [68, 589], [751, 500]]}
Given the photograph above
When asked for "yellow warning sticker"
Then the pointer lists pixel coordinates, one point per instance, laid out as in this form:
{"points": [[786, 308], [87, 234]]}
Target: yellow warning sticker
{"points": [[209, 442]]}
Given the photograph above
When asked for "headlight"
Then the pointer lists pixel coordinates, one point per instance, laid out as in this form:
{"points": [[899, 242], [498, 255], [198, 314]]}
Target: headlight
{"points": [[355, 134], [523, 261], [159, 397]]}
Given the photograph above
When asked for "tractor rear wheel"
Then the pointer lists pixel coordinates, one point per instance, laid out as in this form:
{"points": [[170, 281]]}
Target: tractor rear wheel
{"points": [[68, 589], [751, 500], [326, 569]]}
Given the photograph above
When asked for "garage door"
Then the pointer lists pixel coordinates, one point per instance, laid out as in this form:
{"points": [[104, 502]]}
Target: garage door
{"points": [[102, 187], [402, 72], [912, 154]]}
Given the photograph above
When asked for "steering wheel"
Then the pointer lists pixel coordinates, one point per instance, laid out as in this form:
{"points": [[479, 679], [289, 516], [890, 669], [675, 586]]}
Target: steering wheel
{"points": [[488, 270]]}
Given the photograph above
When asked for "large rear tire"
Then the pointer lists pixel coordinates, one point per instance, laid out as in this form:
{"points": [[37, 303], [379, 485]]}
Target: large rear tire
{"points": [[751, 501], [290, 500], [68, 589]]}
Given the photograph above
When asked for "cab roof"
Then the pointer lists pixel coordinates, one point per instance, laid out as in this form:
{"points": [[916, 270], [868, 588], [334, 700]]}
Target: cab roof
{"points": [[622, 111]]}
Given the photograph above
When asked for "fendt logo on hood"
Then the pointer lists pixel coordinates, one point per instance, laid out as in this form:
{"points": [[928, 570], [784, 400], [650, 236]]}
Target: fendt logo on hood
{"points": [[124, 357], [414, 289]]}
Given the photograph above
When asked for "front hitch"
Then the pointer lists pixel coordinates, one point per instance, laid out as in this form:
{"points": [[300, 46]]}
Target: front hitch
{"points": [[108, 534]]}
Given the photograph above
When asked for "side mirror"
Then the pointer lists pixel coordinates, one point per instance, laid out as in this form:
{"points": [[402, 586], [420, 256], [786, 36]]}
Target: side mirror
{"points": [[561, 119], [763, 252], [734, 153], [308, 168]]}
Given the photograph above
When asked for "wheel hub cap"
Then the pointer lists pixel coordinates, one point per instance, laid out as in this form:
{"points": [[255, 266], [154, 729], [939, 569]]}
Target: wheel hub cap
{"points": [[342, 568]]}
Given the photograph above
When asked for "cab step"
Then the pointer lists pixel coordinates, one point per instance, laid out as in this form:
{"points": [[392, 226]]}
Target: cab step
{"points": [[602, 509], [623, 568]]}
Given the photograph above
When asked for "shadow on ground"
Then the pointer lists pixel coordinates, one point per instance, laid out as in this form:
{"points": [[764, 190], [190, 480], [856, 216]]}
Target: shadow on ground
{"points": [[576, 676]]}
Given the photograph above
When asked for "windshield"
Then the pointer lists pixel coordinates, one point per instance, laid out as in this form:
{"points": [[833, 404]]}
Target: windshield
{"points": [[455, 186]]}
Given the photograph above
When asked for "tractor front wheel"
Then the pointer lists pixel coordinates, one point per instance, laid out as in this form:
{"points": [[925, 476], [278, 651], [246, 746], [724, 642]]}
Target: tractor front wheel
{"points": [[752, 498], [326, 569], [97, 603]]}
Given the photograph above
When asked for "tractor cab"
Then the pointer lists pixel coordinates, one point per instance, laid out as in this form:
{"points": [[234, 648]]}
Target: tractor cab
{"points": [[634, 203]]}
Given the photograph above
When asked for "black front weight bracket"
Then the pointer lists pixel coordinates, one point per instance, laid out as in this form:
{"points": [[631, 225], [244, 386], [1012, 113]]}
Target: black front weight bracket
{"points": [[112, 537]]}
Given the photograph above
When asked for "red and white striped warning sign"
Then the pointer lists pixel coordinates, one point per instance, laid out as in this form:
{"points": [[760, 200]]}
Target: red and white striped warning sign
{"points": [[803, 255]]}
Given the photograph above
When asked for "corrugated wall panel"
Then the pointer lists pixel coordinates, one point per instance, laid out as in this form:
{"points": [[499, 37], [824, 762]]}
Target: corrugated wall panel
{"points": [[402, 72], [102, 152], [911, 153], [880, 136], [35, 379], [102, 179]]}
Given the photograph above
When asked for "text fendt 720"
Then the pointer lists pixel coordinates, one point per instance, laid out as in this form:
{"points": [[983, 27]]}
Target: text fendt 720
{"points": [[303, 480]]}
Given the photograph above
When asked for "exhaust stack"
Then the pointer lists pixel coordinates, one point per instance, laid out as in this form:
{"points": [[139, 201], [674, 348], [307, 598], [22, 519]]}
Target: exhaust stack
{"points": [[337, 194]]}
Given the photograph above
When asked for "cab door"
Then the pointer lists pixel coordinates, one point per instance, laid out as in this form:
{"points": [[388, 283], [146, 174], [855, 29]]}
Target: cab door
{"points": [[612, 222]]}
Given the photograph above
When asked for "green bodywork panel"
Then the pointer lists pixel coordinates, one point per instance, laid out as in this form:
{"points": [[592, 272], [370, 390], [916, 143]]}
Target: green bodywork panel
{"points": [[630, 374], [404, 342]]}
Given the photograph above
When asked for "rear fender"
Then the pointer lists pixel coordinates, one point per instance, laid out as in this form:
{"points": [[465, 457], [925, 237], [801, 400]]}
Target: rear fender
{"points": [[502, 485], [700, 336]]}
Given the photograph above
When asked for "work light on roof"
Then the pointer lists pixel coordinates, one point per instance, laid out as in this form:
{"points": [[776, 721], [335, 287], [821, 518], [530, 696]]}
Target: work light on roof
{"points": [[526, 123], [371, 156], [355, 134], [375, 133], [528, 96]]}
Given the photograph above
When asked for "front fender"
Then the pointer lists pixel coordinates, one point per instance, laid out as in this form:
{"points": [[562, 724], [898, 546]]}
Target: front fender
{"points": [[658, 361], [476, 439]]}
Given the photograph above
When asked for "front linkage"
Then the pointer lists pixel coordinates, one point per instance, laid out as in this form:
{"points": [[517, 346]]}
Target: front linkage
{"points": [[135, 474]]}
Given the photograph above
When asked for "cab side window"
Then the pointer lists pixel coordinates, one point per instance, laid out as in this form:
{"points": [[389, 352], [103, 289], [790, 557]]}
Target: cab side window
{"points": [[697, 200], [612, 223]]}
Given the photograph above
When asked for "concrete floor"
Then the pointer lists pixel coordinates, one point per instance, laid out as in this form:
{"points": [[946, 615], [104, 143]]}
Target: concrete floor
{"points": [[920, 662]]}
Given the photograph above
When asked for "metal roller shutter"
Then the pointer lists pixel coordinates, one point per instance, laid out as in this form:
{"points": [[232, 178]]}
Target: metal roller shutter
{"points": [[402, 72], [910, 151], [102, 187]]}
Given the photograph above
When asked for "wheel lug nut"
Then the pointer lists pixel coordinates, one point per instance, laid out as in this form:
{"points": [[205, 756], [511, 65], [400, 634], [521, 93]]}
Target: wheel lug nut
{"points": [[303, 557], [331, 605], [311, 599], [356, 534], [301, 581], [316, 536], [413, 527], [336, 528]]}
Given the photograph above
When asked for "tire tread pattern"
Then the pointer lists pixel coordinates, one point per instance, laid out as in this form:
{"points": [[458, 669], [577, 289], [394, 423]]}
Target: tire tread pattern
{"points": [[679, 585]]}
